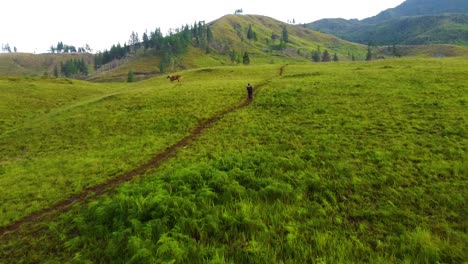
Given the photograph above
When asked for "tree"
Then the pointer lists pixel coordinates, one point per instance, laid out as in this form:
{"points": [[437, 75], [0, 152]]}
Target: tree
{"points": [[6, 48], [316, 56], [133, 41], [326, 56], [59, 47], [146, 41], [369, 54], [353, 58], [246, 59], [251, 34], [232, 56], [56, 72], [130, 76], [285, 35], [88, 48], [209, 35], [335, 57]]}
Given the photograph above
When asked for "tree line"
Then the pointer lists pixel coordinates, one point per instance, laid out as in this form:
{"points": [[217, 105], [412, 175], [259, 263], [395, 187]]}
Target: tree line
{"points": [[7, 48], [64, 48], [72, 68], [169, 47]]}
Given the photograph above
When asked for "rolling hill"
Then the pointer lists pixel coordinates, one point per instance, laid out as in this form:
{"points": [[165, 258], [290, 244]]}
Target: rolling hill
{"points": [[230, 36], [17, 64], [414, 22]]}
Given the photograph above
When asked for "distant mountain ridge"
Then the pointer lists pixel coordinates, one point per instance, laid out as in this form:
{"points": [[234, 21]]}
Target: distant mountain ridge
{"points": [[421, 8], [414, 22]]}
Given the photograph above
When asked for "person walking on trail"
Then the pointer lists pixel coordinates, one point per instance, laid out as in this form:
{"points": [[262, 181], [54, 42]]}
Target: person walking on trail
{"points": [[249, 90]]}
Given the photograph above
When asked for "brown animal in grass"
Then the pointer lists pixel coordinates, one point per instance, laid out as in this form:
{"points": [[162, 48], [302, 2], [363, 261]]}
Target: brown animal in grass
{"points": [[174, 78]]}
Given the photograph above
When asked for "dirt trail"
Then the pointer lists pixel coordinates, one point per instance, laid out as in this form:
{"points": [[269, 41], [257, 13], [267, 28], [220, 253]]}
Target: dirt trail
{"points": [[106, 187]]}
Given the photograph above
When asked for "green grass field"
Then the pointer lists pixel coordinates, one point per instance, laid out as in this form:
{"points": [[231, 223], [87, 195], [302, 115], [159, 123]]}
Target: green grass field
{"points": [[331, 163]]}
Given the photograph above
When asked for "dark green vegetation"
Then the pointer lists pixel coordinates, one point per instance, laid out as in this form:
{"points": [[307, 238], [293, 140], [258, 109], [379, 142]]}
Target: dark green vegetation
{"points": [[331, 163], [415, 22]]}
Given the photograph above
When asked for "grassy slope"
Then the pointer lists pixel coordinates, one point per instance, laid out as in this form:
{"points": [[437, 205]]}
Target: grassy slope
{"points": [[14, 64], [419, 30], [230, 33], [428, 51], [26, 99], [48, 156], [332, 163], [231, 30]]}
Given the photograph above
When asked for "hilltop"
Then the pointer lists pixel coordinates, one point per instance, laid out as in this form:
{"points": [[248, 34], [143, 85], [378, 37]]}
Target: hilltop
{"points": [[414, 22], [230, 41]]}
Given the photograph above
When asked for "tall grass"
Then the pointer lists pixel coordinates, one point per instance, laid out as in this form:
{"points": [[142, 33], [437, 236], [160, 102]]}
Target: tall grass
{"points": [[67, 144], [337, 163]]}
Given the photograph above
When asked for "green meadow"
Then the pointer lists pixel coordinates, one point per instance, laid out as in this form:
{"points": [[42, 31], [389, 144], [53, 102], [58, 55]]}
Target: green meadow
{"points": [[346, 162]]}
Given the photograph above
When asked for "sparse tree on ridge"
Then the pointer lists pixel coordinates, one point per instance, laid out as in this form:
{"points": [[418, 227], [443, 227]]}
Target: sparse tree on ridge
{"points": [[6, 48], [146, 41], [133, 41]]}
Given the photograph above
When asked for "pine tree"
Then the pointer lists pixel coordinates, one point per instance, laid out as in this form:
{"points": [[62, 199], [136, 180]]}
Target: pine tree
{"points": [[369, 54], [326, 56], [316, 56], [130, 76], [56, 72], [246, 59], [250, 33], [232, 56], [146, 42], [335, 57], [285, 35], [209, 35]]}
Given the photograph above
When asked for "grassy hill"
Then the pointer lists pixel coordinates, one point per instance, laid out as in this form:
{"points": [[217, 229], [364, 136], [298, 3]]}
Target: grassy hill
{"points": [[440, 29], [230, 35], [17, 64], [429, 51], [350, 162], [414, 22], [421, 8]]}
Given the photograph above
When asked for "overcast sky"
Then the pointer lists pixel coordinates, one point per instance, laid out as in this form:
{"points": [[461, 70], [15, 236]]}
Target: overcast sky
{"points": [[35, 25]]}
